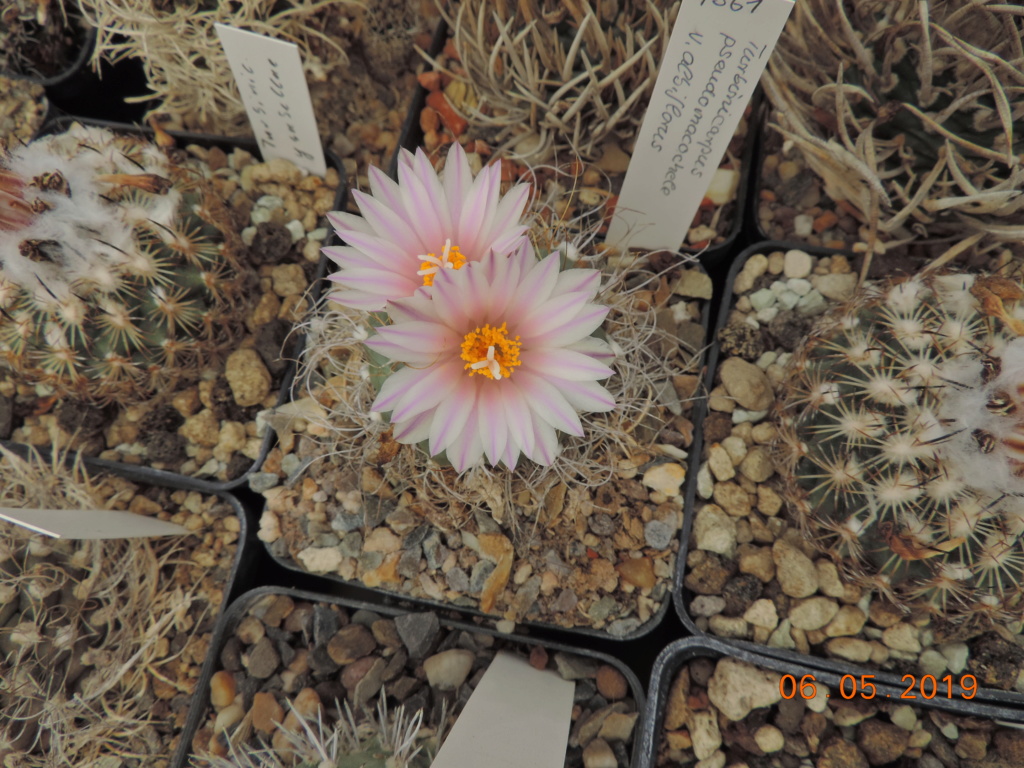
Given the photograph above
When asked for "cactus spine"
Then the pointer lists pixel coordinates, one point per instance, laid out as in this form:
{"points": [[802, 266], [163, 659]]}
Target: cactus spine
{"points": [[903, 442], [118, 267]]}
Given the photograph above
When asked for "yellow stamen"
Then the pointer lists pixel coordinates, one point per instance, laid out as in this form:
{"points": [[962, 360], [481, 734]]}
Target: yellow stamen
{"points": [[451, 258], [490, 352]]}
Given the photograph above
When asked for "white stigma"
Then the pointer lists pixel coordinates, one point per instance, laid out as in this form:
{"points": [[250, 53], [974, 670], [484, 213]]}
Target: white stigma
{"points": [[489, 363], [442, 263]]}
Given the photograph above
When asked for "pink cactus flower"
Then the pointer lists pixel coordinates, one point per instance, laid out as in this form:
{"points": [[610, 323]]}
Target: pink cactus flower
{"points": [[412, 230], [497, 358]]}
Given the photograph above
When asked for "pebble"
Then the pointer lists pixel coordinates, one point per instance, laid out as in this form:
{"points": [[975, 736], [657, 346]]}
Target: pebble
{"points": [[665, 478], [418, 631], [797, 263], [263, 659], [932, 662], [222, 689], [720, 462], [756, 266], [762, 300], [449, 669], [707, 605], [611, 683], [850, 648], [812, 613], [837, 287], [848, 621], [351, 643], [956, 655], [599, 754], [693, 283], [904, 717], [762, 613], [769, 738], [902, 637], [736, 688], [757, 465], [266, 712], [747, 384], [715, 531], [659, 534], [320, 559], [248, 377], [794, 570], [704, 733]]}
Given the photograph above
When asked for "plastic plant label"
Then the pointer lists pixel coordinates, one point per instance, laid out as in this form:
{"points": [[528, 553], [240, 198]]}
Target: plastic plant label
{"points": [[276, 98], [91, 523], [517, 716], [715, 56]]}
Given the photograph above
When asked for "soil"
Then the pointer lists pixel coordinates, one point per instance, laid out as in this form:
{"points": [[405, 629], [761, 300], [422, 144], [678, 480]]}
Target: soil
{"points": [[824, 730], [42, 51], [325, 654]]}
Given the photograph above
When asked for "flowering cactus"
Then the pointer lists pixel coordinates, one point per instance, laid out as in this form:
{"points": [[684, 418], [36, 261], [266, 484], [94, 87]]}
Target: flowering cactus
{"points": [[496, 359], [117, 275], [903, 442]]}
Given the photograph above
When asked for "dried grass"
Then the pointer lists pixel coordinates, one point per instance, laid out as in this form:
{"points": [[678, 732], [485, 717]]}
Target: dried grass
{"points": [[185, 65], [574, 73], [77, 670], [915, 119]]}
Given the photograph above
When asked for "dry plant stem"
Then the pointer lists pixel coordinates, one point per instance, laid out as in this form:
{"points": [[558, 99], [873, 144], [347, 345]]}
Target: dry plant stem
{"points": [[115, 612], [335, 360], [185, 64], [904, 82], [572, 96]]}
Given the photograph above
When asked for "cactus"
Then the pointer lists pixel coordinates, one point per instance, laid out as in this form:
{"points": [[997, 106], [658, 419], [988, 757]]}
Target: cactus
{"points": [[387, 740], [911, 111], [902, 442], [118, 268]]}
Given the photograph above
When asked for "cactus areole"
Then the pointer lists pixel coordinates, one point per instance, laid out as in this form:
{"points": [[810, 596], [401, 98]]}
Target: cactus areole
{"points": [[902, 443], [118, 276]]}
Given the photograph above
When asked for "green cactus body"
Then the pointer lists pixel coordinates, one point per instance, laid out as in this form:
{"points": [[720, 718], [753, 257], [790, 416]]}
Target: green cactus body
{"points": [[902, 442], [118, 268]]}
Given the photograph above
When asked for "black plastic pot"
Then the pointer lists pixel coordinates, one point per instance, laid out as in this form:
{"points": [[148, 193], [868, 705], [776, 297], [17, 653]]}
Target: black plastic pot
{"points": [[683, 597], [424, 604], [232, 616], [295, 342], [79, 64], [676, 655]]}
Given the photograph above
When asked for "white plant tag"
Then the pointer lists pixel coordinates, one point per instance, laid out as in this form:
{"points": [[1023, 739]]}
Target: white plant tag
{"points": [[517, 716], [715, 57], [276, 97], [91, 523]]}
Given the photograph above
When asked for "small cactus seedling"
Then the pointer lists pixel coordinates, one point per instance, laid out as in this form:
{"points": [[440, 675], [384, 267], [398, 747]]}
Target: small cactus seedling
{"points": [[387, 740], [903, 442], [118, 275]]}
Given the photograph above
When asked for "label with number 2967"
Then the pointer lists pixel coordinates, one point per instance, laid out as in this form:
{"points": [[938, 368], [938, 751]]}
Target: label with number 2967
{"points": [[852, 687]]}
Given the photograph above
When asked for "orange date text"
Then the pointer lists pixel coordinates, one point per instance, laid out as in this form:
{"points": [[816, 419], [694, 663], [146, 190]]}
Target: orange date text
{"points": [[853, 687]]}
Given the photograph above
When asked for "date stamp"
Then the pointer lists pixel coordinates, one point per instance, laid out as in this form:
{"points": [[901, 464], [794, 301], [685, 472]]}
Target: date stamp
{"points": [[853, 687]]}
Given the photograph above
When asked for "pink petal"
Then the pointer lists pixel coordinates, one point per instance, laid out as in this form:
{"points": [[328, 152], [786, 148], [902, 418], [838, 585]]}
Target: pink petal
{"points": [[384, 220], [548, 403], [451, 415], [550, 315], [344, 256], [344, 223], [426, 338], [574, 280], [467, 449], [508, 213], [546, 449], [358, 300], [535, 287], [565, 364], [585, 396], [400, 353], [395, 387], [378, 282], [597, 348], [437, 383], [384, 189], [478, 207], [517, 417], [415, 430], [493, 426], [458, 177], [584, 324]]}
